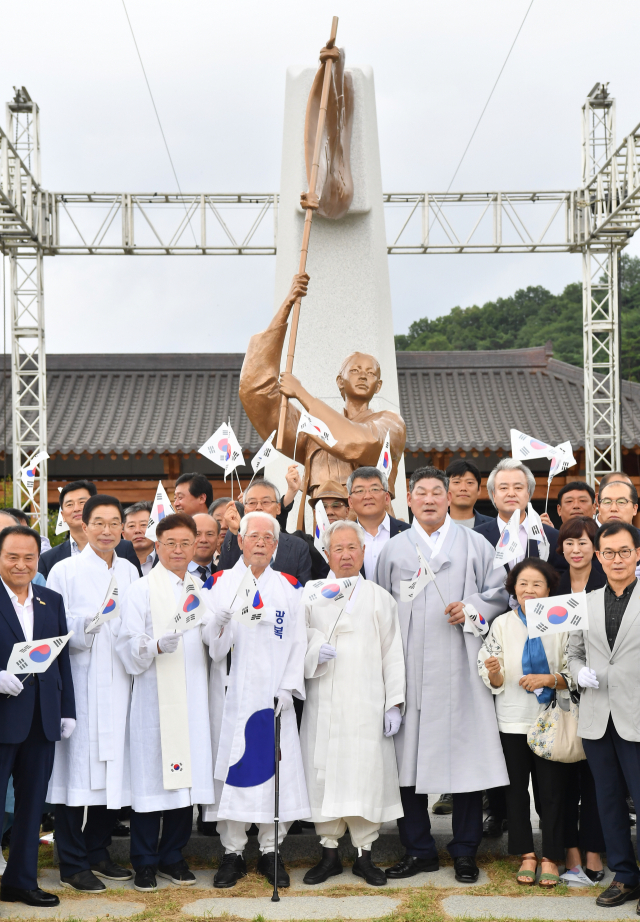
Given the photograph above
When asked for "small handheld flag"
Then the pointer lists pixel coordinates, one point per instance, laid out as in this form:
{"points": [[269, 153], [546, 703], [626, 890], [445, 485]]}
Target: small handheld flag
{"points": [[323, 591], [537, 532], [474, 621], [190, 607], [35, 656], [223, 449], [314, 426], [109, 609], [322, 523], [264, 454], [384, 461], [557, 614], [161, 508], [508, 547], [410, 588], [28, 473], [249, 611], [525, 447]]}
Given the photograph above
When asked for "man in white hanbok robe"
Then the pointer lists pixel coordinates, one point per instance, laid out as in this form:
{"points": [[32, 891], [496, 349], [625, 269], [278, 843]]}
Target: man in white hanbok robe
{"points": [[267, 663], [355, 685], [449, 738], [171, 763], [91, 768]]}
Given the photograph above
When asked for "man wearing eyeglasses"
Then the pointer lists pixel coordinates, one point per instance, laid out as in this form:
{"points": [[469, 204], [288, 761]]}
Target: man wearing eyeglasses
{"points": [[292, 555], [369, 498], [91, 767], [604, 663], [618, 502]]}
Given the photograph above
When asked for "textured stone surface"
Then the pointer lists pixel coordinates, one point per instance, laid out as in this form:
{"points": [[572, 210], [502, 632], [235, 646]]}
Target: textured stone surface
{"points": [[295, 907], [442, 879], [90, 908], [534, 907]]}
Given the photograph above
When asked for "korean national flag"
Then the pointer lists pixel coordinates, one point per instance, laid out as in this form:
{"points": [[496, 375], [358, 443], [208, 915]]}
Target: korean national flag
{"points": [[28, 473], [384, 461], [509, 547], [35, 656], [161, 508], [525, 447], [557, 614], [322, 523], [314, 426], [249, 611], [109, 609], [410, 588], [562, 460], [190, 607], [224, 449], [264, 454]]}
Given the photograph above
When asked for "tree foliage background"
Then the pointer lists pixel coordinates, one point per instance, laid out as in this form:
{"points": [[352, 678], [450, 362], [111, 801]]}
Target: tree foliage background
{"points": [[531, 317]]}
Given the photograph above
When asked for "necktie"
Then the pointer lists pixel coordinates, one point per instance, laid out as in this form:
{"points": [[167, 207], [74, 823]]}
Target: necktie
{"points": [[202, 573]]}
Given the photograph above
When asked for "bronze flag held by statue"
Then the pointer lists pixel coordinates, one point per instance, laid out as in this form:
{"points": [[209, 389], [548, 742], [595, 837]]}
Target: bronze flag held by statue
{"points": [[327, 132]]}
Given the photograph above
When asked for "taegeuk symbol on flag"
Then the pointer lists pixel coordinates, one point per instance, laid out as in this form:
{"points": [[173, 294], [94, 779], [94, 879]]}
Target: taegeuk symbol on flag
{"points": [[161, 508], [323, 591], [508, 547], [384, 461], [223, 449], [322, 523], [190, 608], [557, 614], [28, 473], [109, 609]]}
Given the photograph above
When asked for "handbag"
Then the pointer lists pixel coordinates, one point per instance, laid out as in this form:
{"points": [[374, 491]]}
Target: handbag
{"points": [[554, 734]]}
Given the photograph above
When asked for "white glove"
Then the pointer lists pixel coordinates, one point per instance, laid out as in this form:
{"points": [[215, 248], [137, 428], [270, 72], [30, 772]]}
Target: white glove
{"points": [[67, 726], [326, 653], [168, 643], [223, 617], [392, 721], [9, 684], [285, 701], [587, 678], [87, 622]]}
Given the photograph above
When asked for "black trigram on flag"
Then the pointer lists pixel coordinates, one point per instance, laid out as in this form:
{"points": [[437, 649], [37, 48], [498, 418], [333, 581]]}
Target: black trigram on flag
{"points": [[58, 642], [542, 627], [572, 603], [576, 619]]}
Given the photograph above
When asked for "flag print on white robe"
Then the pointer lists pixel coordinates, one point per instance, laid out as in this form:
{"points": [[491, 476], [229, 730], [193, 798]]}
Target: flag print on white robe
{"points": [[265, 658], [136, 646], [92, 766]]}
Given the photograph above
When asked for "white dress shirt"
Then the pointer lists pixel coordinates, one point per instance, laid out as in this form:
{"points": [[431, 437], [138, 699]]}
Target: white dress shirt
{"points": [[24, 612], [435, 540], [75, 550], [147, 566], [373, 544], [522, 536]]}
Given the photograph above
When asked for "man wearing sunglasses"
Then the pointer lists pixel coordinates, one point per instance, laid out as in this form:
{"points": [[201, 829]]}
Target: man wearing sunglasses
{"points": [[604, 663]]}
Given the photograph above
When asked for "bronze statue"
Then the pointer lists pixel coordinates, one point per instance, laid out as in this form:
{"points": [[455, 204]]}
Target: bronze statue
{"points": [[360, 432]]}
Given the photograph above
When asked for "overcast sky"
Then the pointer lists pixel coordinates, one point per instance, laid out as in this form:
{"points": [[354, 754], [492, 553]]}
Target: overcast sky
{"points": [[217, 71]]}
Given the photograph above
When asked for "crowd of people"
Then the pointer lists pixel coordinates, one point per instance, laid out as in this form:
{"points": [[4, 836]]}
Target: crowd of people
{"points": [[185, 651]]}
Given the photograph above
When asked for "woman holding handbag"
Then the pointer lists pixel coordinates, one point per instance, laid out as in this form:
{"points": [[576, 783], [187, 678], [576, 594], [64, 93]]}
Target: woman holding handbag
{"points": [[524, 674]]}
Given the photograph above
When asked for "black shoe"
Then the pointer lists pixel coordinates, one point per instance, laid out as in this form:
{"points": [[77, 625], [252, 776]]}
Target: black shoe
{"points": [[363, 866], [232, 868], [47, 822], [295, 829], [265, 867], [145, 879], [85, 881], [120, 830], [110, 871], [208, 828], [410, 866], [492, 828], [35, 897], [329, 866], [467, 870], [617, 893], [595, 876], [443, 805], [178, 873], [631, 807]]}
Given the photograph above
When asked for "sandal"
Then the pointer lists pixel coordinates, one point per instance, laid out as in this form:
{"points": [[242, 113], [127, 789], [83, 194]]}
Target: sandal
{"points": [[528, 874], [553, 881]]}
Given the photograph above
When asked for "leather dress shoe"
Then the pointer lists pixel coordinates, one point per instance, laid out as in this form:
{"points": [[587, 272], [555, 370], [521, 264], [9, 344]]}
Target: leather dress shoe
{"points": [[35, 897], [617, 893], [110, 871], [232, 868], [466, 869], [410, 866], [363, 866], [329, 866], [265, 867], [492, 828], [120, 830], [84, 881]]}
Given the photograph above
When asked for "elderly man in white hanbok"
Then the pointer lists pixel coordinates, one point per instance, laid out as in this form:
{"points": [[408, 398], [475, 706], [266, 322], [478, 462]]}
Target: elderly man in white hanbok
{"points": [[267, 663], [355, 683], [160, 644], [449, 738], [91, 768]]}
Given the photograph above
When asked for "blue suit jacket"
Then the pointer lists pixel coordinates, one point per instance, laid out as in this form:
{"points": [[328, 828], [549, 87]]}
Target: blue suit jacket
{"points": [[55, 685], [481, 519], [491, 532], [61, 551]]}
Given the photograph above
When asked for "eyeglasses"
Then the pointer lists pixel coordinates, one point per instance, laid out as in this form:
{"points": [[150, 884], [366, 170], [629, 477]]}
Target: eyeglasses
{"points": [[620, 503], [373, 491], [112, 526], [266, 539], [336, 505], [172, 545], [624, 553], [254, 503]]}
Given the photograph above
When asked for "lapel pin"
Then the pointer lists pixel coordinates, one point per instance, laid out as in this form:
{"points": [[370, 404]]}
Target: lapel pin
{"points": [[41, 602]]}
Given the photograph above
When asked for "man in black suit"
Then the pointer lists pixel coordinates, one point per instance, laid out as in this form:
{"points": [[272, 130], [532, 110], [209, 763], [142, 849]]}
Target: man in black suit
{"points": [[73, 496], [369, 498], [465, 481], [292, 555], [35, 710]]}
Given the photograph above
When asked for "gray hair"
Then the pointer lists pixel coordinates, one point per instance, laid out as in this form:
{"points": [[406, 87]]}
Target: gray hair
{"points": [[367, 473], [264, 483], [342, 523], [509, 464], [250, 516], [138, 507]]}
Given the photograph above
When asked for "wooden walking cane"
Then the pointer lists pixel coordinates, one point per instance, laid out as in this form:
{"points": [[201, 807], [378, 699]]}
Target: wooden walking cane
{"points": [[322, 115]]}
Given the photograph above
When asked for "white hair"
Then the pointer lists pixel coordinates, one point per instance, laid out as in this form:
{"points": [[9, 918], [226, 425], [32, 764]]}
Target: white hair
{"points": [[342, 523], [251, 516], [509, 464], [261, 482]]}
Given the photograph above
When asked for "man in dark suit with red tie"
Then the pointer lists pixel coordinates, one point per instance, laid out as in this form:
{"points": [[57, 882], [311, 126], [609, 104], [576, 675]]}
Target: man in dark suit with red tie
{"points": [[35, 709]]}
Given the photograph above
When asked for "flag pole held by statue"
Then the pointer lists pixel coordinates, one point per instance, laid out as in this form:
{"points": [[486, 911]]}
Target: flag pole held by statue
{"points": [[329, 56]]}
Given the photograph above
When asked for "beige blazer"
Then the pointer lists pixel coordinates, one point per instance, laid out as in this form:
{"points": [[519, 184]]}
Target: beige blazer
{"points": [[617, 670]]}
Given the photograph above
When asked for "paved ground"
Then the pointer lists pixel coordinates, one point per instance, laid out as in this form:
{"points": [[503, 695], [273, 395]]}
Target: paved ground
{"points": [[89, 908], [532, 907], [296, 907]]}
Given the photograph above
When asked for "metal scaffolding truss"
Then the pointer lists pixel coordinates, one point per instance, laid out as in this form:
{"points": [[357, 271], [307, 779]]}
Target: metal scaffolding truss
{"points": [[597, 220]]}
